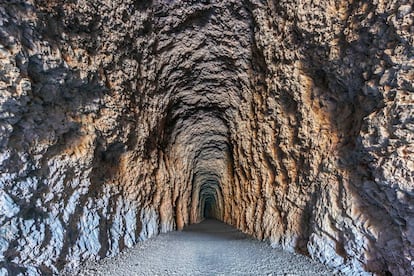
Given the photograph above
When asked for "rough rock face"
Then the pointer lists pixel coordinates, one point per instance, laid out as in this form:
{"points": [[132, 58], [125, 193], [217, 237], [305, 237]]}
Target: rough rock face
{"points": [[292, 120]]}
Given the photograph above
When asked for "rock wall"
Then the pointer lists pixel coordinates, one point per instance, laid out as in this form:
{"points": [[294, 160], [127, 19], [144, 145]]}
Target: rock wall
{"points": [[292, 120]]}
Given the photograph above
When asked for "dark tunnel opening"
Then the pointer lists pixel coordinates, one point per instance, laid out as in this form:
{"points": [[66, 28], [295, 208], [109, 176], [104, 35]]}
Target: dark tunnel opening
{"points": [[209, 205], [210, 200]]}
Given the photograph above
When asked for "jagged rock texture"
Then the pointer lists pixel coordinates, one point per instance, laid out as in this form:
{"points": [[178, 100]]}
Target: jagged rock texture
{"points": [[292, 120]]}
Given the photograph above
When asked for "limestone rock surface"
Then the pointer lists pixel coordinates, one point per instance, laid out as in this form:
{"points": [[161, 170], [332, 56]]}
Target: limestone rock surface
{"points": [[291, 120]]}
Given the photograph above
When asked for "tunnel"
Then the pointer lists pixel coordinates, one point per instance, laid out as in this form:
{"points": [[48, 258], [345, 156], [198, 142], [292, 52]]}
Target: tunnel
{"points": [[210, 204], [288, 120]]}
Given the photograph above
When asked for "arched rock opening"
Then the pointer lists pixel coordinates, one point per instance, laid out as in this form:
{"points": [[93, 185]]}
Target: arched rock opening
{"points": [[290, 120], [211, 201]]}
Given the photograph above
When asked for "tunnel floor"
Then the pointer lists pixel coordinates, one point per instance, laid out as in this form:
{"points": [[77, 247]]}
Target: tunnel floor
{"points": [[208, 248]]}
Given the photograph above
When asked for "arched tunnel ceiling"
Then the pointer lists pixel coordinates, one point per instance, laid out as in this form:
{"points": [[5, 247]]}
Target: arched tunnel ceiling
{"points": [[290, 120]]}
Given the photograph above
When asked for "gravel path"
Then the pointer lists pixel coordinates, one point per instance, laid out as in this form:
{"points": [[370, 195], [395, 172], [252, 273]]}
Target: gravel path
{"points": [[208, 248]]}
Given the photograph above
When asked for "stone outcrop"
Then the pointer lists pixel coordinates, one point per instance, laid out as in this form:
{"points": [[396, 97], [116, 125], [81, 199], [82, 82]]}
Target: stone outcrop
{"points": [[291, 120]]}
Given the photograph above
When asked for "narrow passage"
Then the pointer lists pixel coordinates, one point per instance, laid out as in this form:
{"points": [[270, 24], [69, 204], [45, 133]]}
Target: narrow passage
{"points": [[208, 248]]}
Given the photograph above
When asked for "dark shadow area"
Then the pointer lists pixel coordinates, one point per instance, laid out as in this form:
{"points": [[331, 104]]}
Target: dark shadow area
{"points": [[210, 199], [208, 205]]}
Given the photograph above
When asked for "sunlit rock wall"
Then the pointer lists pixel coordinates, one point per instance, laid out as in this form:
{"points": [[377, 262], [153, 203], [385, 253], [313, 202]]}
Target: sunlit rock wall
{"points": [[291, 120], [332, 134]]}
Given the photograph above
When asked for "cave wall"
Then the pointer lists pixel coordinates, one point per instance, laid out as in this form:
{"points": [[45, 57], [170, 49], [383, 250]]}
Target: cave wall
{"points": [[291, 120]]}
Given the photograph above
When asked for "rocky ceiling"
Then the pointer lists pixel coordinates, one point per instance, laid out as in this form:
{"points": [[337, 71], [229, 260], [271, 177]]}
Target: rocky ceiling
{"points": [[291, 120]]}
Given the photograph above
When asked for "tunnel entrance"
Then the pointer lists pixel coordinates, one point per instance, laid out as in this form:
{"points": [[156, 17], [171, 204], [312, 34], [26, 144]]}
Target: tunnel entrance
{"points": [[210, 199], [209, 205]]}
